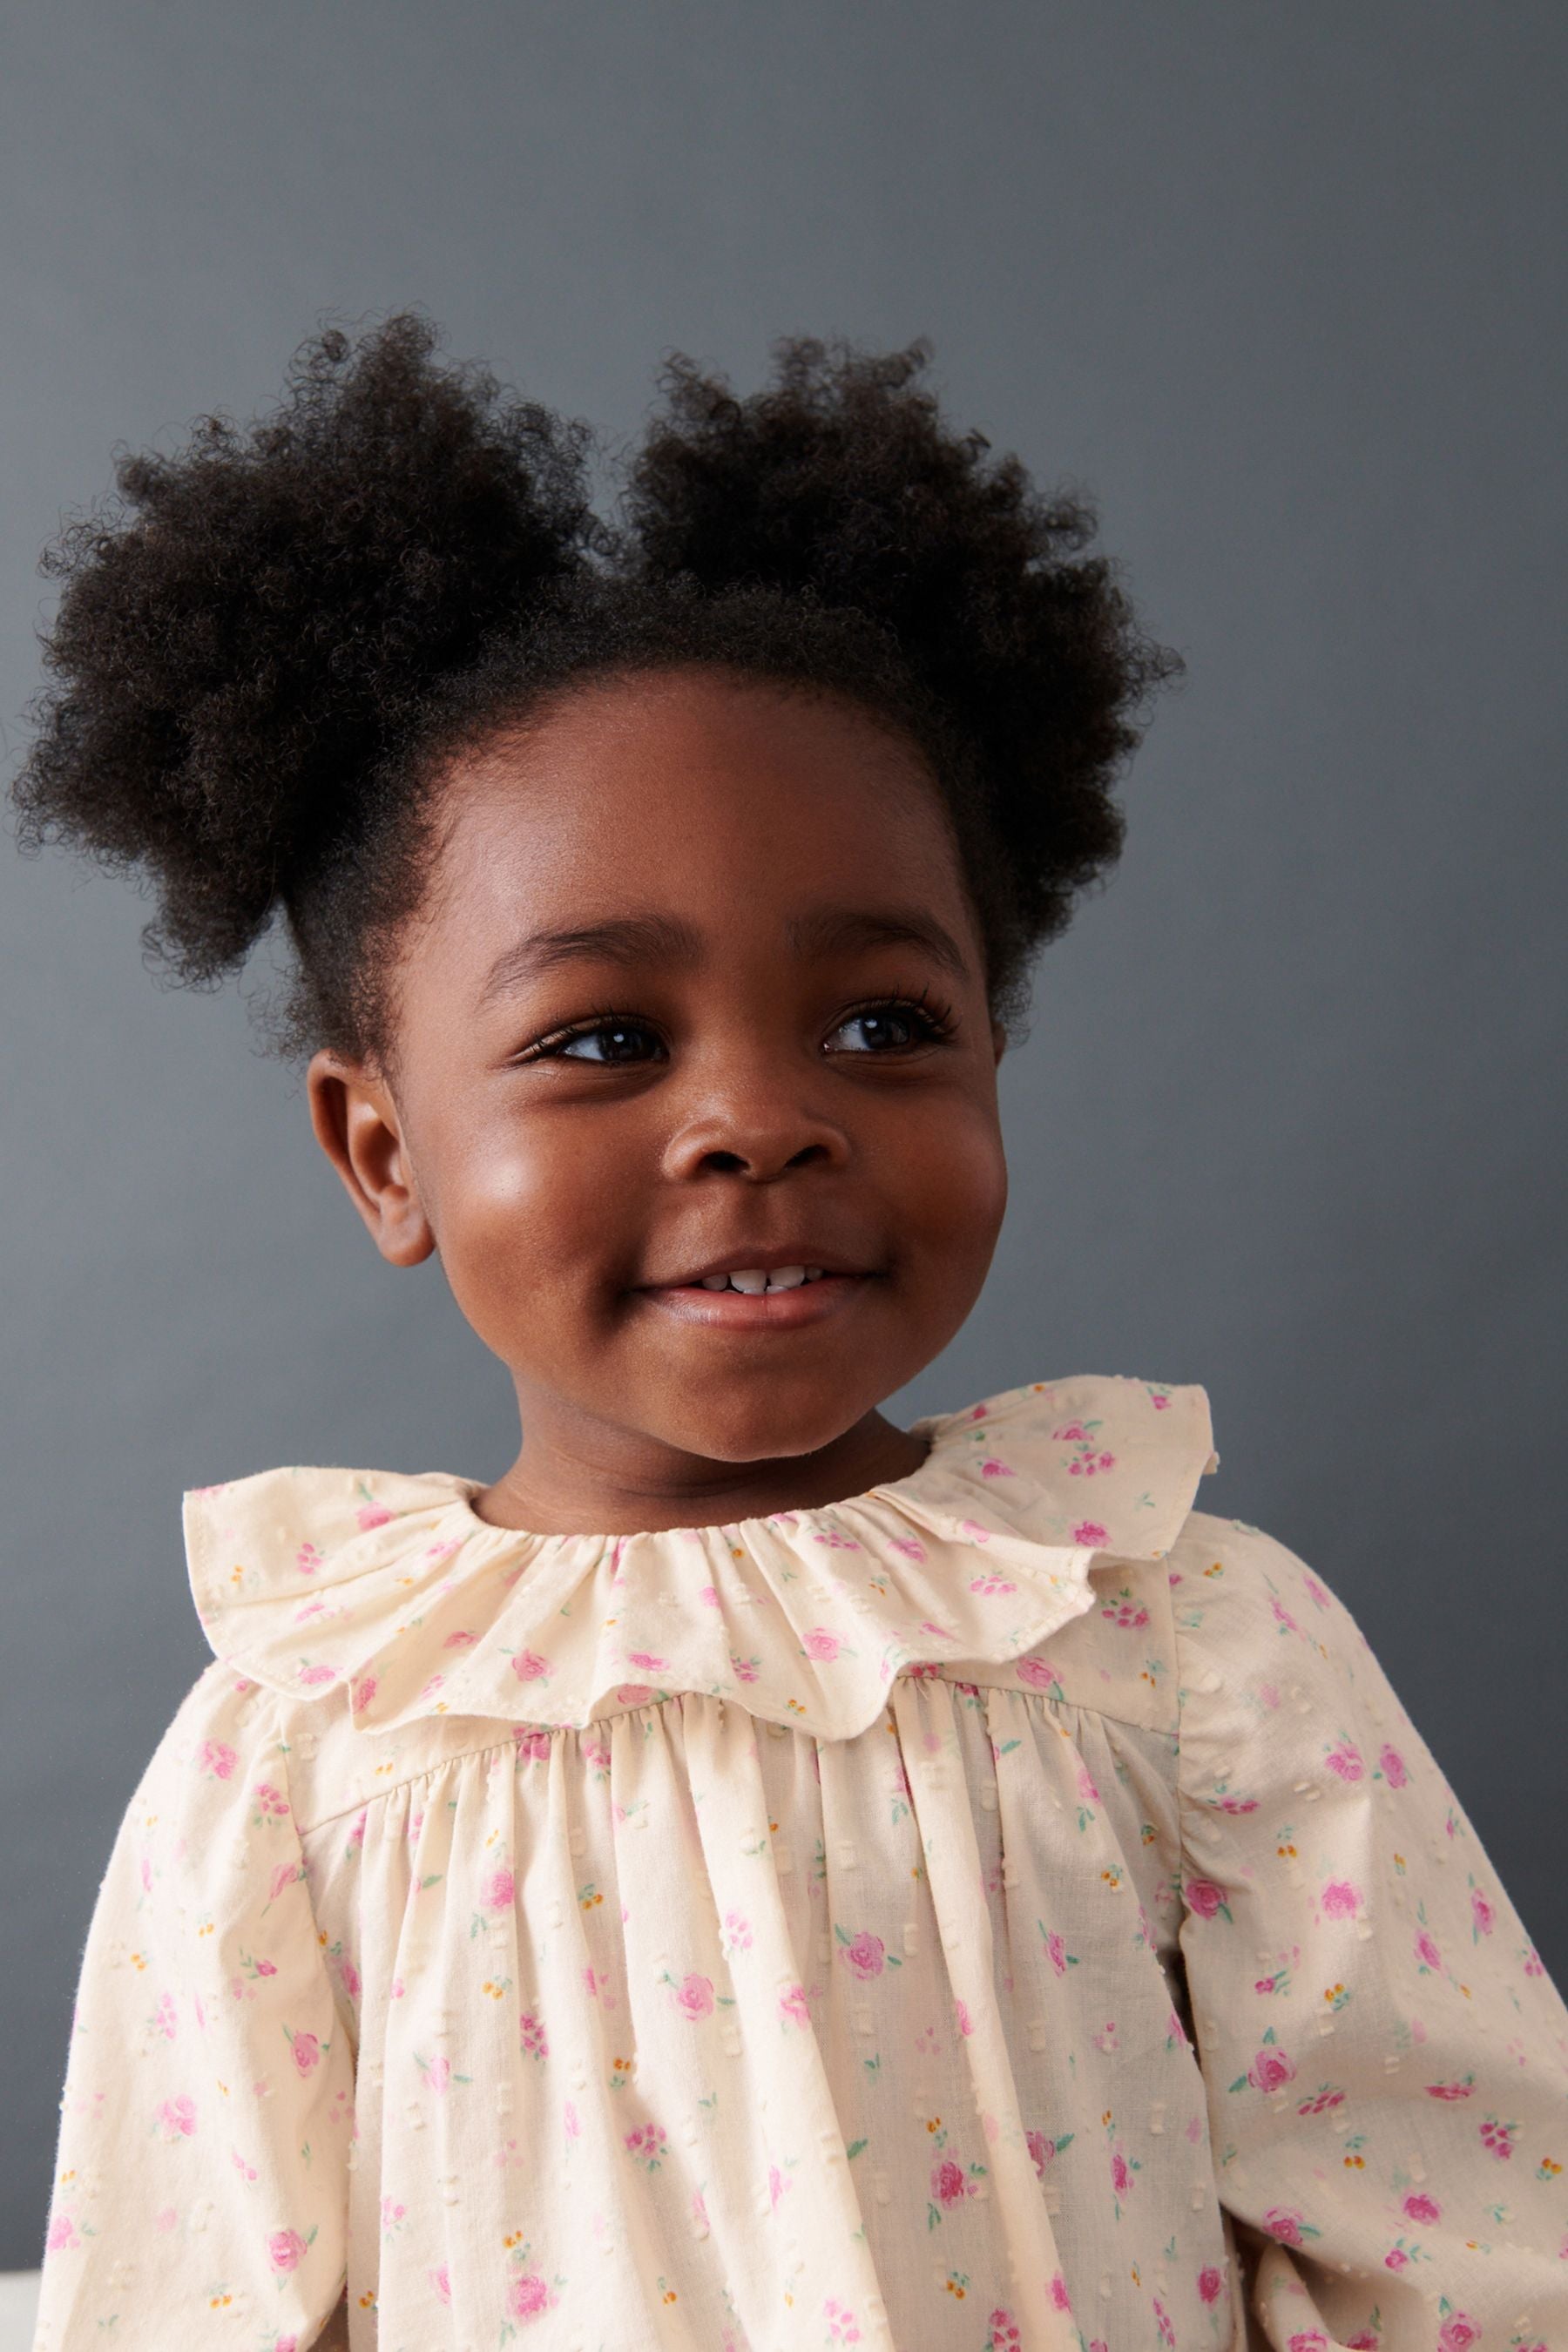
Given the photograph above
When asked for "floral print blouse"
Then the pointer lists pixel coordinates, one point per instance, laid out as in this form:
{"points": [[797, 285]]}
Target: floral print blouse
{"points": [[1008, 1911]]}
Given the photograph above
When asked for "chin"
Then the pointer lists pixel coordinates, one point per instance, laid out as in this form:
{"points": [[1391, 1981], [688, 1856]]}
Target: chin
{"points": [[758, 1425]]}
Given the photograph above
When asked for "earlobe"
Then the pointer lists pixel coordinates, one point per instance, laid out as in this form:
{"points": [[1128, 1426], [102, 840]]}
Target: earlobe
{"points": [[356, 1124], [998, 1040]]}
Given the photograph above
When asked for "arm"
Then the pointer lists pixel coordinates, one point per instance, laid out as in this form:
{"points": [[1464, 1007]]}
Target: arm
{"points": [[208, 2100], [1384, 2057]]}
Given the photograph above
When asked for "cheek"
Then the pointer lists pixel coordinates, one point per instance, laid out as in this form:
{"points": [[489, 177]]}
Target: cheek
{"points": [[527, 1211], [955, 1185]]}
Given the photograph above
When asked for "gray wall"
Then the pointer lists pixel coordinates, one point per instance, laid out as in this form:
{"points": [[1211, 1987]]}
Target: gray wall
{"points": [[1283, 286]]}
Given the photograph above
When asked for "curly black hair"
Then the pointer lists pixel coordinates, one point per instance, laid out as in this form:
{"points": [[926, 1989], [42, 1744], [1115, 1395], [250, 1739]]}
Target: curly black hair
{"points": [[271, 644]]}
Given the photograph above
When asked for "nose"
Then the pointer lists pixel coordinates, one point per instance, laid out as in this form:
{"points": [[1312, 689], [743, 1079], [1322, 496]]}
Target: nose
{"points": [[755, 1128]]}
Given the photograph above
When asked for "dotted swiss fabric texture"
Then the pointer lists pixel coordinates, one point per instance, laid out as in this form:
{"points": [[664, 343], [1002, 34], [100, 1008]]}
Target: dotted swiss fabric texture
{"points": [[1007, 1911]]}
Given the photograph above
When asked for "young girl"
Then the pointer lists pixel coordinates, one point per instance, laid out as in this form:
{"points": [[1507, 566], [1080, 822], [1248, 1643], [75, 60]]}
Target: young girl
{"points": [[753, 1876]]}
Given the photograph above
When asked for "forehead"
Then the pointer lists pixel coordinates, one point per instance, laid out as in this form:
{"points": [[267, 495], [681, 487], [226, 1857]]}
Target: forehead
{"points": [[720, 800]]}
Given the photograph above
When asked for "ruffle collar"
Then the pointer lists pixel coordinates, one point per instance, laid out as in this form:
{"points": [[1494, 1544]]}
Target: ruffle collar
{"points": [[388, 1593]]}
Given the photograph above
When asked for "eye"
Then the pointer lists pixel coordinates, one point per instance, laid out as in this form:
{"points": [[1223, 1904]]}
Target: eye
{"points": [[609, 1040], [893, 1025]]}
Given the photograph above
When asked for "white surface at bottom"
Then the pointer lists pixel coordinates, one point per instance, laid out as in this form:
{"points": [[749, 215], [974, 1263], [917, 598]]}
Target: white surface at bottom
{"points": [[18, 2307]]}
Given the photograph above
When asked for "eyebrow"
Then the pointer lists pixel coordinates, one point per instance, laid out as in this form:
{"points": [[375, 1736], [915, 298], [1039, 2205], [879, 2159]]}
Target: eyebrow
{"points": [[633, 939]]}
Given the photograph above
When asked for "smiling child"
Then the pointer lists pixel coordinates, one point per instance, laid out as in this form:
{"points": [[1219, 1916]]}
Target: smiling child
{"points": [[753, 1877]]}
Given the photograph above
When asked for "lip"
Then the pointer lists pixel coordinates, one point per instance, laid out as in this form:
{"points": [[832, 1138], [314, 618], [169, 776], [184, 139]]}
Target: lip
{"points": [[777, 1310]]}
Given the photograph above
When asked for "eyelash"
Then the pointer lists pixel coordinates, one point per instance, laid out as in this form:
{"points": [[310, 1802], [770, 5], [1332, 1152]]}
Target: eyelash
{"points": [[936, 1019]]}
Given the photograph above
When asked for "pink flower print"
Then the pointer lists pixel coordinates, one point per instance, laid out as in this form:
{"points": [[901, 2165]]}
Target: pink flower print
{"points": [[1056, 1948], [391, 2212], [1497, 2138], [526, 2296], [1211, 2284], [820, 1643], [1450, 2090], [738, 1928], [777, 2184], [1284, 2222], [1284, 1617], [571, 2121], [907, 1545], [792, 2006], [346, 1970], [1060, 2299], [1162, 2321], [1120, 2179], [1041, 2149], [746, 1669], [1396, 2259], [268, 1801], [62, 2238], [648, 2143], [284, 1875], [535, 1746], [285, 2250], [694, 1997], [649, 1663], [459, 1639], [1345, 1759], [1271, 2070], [841, 2322], [1418, 2207], [1311, 2339], [441, 2284], [1426, 1951], [634, 1694], [1341, 1899], [307, 2052], [218, 1759], [166, 2017], [531, 2034], [1126, 1615], [178, 2117], [1393, 1765], [993, 1469], [948, 2185], [961, 2011], [1039, 1673], [1090, 1532], [438, 2073], [307, 1559], [313, 1677], [1086, 1788], [498, 1889], [364, 1691], [1481, 1913], [373, 1515], [863, 1955], [530, 1667], [1458, 2332], [1202, 1895], [1106, 2040]]}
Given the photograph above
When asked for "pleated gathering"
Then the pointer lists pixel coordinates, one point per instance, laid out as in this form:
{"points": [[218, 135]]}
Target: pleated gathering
{"points": [[883, 2031]]}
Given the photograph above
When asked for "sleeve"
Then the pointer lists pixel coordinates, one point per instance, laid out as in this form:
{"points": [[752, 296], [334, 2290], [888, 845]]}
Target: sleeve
{"points": [[1384, 2057], [200, 2196]]}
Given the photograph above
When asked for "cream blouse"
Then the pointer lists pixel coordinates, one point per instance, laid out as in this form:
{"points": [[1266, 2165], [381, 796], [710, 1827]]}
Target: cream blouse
{"points": [[1007, 1911]]}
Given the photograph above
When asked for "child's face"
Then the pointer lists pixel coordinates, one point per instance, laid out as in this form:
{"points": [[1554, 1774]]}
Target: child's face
{"points": [[729, 878]]}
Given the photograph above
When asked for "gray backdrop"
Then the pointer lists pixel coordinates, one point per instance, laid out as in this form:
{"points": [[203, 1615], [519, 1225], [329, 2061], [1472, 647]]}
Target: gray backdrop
{"points": [[1283, 286]]}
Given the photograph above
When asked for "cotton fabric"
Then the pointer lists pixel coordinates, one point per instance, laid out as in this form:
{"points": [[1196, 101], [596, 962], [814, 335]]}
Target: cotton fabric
{"points": [[1006, 1911]]}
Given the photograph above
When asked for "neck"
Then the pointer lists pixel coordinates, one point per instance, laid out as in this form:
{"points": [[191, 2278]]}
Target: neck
{"points": [[577, 1481]]}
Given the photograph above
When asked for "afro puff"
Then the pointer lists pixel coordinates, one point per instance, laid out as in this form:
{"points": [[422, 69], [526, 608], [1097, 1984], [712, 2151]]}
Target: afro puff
{"points": [[268, 645]]}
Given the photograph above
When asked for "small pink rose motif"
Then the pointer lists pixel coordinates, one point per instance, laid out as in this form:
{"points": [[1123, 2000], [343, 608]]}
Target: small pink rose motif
{"points": [[62, 2238], [648, 1661], [459, 1639], [1060, 2299], [284, 1875], [312, 1678], [178, 2117], [438, 2073], [1393, 1765], [1345, 1760], [906, 1546], [441, 2284], [863, 1955], [1041, 2149], [1211, 2284], [961, 2011], [529, 1667], [364, 1690], [634, 1694], [1271, 2070], [373, 1515], [285, 2250], [1038, 1673], [1458, 2332], [694, 1998], [793, 2005], [993, 1469], [820, 1643], [948, 2185], [307, 2052], [498, 1889], [307, 1560], [218, 1759], [1090, 1532], [1202, 1895], [1120, 2179], [1481, 1912], [1284, 2222], [1341, 1899], [1057, 1950], [1498, 2139], [1423, 2208], [1426, 1951], [527, 2296]]}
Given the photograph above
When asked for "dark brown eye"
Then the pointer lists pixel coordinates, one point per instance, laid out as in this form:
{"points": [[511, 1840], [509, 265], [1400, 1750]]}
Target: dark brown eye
{"points": [[608, 1041], [884, 1028]]}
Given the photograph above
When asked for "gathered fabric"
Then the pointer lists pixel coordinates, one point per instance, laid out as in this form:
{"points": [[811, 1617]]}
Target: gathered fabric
{"points": [[1005, 1911]]}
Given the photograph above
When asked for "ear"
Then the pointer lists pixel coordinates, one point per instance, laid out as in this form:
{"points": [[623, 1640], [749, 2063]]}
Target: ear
{"points": [[357, 1126], [998, 1040]]}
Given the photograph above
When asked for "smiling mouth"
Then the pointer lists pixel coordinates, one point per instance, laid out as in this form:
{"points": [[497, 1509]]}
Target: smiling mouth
{"points": [[759, 1298]]}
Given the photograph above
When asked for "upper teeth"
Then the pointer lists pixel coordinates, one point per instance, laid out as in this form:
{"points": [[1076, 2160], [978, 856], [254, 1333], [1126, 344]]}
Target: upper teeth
{"points": [[757, 1278]]}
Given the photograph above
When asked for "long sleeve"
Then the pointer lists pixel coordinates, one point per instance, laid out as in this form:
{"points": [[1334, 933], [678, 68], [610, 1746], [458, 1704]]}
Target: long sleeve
{"points": [[200, 2193], [1385, 2060]]}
